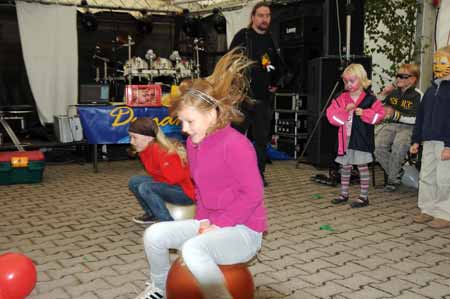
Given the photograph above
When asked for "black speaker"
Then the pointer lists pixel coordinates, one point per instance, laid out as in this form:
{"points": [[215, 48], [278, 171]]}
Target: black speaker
{"points": [[301, 29], [334, 18], [323, 73], [296, 58]]}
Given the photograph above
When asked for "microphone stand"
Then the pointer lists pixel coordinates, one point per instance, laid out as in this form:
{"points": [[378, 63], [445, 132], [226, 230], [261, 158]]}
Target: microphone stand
{"points": [[348, 12]]}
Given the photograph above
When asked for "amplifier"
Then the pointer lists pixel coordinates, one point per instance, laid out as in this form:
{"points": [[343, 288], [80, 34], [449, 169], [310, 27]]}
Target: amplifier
{"points": [[290, 101], [288, 125], [303, 29]]}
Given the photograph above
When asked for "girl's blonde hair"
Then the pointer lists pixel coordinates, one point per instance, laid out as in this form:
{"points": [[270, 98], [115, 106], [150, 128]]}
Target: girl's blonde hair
{"points": [[411, 68], [356, 69], [148, 127], [171, 146], [223, 90]]}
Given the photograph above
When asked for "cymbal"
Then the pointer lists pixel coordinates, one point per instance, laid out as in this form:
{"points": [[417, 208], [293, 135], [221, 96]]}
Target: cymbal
{"points": [[120, 39], [127, 44]]}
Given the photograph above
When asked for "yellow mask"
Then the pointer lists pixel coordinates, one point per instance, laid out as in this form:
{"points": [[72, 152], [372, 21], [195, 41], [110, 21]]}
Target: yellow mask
{"points": [[441, 64]]}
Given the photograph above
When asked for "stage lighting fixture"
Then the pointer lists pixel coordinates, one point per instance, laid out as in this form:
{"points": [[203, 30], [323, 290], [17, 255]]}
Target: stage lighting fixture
{"points": [[219, 21], [190, 23], [145, 23], [89, 21]]}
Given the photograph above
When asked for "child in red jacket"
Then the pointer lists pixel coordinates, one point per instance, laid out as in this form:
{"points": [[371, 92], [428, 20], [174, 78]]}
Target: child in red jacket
{"points": [[355, 112], [168, 178]]}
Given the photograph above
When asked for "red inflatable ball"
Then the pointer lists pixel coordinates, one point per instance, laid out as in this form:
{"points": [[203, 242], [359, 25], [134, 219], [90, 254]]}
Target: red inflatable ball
{"points": [[17, 276], [2, 296], [182, 285]]}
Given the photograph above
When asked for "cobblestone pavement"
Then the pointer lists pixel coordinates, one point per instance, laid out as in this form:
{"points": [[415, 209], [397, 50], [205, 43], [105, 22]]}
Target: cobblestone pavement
{"points": [[77, 228]]}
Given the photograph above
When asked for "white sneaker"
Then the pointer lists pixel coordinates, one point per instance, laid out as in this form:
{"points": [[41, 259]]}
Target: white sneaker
{"points": [[151, 292]]}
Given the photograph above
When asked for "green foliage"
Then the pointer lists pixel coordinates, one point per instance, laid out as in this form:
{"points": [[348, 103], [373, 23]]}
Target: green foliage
{"points": [[392, 25]]}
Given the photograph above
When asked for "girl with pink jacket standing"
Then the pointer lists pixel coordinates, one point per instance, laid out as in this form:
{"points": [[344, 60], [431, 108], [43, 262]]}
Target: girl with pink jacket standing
{"points": [[355, 112]]}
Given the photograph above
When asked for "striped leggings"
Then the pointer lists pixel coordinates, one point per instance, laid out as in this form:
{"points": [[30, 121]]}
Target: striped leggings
{"points": [[364, 177]]}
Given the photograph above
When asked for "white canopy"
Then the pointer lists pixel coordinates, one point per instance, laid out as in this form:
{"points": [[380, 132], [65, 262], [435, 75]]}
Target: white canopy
{"points": [[153, 5]]}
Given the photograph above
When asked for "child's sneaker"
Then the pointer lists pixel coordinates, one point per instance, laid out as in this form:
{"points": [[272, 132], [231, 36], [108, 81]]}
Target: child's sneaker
{"points": [[360, 202], [341, 199], [422, 218], [145, 219], [391, 186], [151, 292]]}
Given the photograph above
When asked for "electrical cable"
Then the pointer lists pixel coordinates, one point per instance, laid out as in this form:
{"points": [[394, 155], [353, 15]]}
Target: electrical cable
{"points": [[448, 38], [435, 28], [339, 31]]}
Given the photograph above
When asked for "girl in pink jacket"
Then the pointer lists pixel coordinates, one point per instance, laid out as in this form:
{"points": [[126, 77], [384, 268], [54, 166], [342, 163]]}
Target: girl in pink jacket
{"points": [[230, 215], [355, 112]]}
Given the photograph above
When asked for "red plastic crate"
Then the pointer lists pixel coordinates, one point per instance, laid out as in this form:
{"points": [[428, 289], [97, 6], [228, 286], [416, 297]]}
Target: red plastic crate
{"points": [[143, 95]]}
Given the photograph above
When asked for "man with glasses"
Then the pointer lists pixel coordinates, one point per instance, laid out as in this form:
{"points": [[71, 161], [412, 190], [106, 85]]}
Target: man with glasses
{"points": [[258, 45], [392, 141]]}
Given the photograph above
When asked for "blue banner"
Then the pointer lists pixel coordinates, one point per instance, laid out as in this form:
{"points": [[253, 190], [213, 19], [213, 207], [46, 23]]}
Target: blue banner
{"points": [[109, 124]]}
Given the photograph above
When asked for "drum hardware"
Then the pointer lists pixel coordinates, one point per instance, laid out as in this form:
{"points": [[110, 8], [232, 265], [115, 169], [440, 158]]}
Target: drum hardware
{"points": [[129, 44], [150, 67], [105, 68], [175, 56], [197, 49], [150, 56], [14, 113]]}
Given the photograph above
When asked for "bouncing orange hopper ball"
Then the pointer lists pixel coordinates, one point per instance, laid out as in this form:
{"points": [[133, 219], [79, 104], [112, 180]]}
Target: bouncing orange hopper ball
{"points": [[182, 285]]}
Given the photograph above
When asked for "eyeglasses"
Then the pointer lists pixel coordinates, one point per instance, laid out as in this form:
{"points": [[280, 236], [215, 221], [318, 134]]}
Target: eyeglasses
{"points": [[403, 76]]}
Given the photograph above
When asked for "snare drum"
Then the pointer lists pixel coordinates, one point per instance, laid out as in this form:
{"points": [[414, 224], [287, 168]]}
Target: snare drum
{"points": [[184, 69], [164, 67], [162, 64], [135, 66]]}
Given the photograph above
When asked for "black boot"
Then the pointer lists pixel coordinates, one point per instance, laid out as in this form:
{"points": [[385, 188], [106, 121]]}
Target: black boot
{"points": [[361, 202], [339, 200]]}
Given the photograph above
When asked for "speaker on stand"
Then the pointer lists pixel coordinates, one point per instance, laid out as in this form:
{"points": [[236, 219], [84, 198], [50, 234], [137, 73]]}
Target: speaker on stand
{"points": [[324, 75]]}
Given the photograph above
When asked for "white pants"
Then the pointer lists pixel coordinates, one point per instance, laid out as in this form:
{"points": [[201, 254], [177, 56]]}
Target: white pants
{"points": [[201, 253], [434, 187]]}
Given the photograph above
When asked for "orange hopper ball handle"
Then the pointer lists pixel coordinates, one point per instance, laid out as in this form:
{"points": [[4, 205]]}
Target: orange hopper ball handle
{"points": [[17, 162]]}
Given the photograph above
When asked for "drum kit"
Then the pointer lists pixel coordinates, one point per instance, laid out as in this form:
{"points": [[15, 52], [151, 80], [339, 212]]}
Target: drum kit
{"points": [[152, 67]]}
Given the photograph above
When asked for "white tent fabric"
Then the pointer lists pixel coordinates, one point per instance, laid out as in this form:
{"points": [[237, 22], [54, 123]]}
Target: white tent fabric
{"points": [[237, 19], [156, 6], [48, 34], [443, 26]]}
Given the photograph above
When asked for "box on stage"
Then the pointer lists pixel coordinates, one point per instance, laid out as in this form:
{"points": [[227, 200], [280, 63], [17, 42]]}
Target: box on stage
{"points": [[68, 128]]}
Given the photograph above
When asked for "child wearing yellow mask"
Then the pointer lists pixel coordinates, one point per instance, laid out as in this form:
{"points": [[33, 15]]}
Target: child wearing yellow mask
{"points": [[433, 130]]}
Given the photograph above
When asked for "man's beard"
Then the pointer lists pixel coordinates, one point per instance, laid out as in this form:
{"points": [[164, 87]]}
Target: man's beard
{"points": [[263, 27]]}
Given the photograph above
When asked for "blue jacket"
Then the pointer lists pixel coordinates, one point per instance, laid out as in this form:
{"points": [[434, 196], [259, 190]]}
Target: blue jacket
{"points": [[433, 115]]}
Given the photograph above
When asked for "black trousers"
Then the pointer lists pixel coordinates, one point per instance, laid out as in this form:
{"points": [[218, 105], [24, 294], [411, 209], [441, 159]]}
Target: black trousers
{"points": [[256, 127]]}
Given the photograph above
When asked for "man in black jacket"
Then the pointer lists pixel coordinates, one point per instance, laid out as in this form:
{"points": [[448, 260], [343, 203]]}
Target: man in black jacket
{"points": [[257, 43]]}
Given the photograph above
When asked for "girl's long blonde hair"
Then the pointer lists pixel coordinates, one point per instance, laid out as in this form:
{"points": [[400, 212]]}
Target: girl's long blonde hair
{"points": [[171, 145], [223, 90], [148, 127]]}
